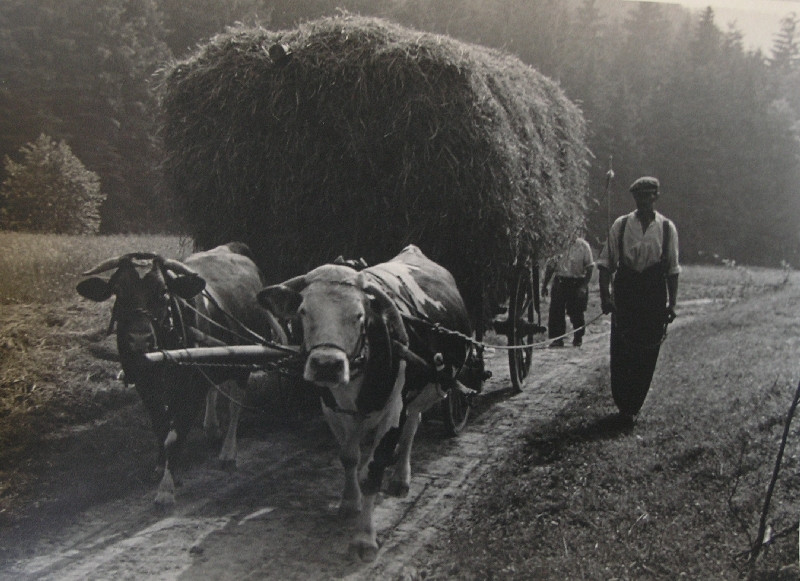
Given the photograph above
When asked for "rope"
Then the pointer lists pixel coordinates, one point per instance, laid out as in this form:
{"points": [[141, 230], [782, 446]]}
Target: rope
{"points": [[436, 328], [252, 334]]}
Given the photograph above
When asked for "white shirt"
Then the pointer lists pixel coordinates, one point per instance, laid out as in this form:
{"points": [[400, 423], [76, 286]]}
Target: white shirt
{"points": [[575, 262], [640, 249]]}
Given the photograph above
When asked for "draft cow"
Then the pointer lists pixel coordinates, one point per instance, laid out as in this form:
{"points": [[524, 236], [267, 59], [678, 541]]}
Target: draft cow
{"points": [[366, 358], [219, 288]]}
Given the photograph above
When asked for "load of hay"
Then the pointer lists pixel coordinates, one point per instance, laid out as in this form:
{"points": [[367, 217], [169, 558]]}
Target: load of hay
{"points": [[366, 137]]}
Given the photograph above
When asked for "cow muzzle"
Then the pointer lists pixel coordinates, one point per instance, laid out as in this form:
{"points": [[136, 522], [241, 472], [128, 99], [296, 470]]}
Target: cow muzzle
{"points": [[139, 336], [327, 366], [141, 342]]}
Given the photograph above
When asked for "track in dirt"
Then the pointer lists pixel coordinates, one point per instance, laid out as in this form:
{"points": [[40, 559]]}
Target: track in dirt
{"points": [[275, 516]]}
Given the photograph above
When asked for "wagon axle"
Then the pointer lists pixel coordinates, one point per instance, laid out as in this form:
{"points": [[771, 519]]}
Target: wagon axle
{"points": [[520, 327]]}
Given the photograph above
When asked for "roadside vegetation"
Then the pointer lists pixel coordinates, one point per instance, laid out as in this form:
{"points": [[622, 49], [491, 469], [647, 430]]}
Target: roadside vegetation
{"points": [[682, 494], [679, 496]]}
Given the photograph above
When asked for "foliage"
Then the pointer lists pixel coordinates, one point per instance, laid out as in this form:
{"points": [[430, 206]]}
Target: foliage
{"points": [[663, 90], [78, 70], [50, 191]]}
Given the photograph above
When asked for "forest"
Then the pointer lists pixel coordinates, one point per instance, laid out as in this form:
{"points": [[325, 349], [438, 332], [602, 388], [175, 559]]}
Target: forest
{"points": [[665, 91]]}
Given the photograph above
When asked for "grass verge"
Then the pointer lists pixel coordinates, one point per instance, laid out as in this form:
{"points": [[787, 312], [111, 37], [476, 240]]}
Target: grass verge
{"points": [[678, 496]]}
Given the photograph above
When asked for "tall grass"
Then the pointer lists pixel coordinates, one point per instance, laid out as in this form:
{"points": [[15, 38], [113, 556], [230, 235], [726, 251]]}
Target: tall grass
{"points": [[729, 282], [44, 268]]}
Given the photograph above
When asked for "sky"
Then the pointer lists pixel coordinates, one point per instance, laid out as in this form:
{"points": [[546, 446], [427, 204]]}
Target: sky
{"points": [[759, 20]]}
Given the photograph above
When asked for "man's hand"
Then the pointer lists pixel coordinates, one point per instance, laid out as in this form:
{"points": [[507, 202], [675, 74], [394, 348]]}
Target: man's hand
{"points": [[608, 306], [670, 314]]}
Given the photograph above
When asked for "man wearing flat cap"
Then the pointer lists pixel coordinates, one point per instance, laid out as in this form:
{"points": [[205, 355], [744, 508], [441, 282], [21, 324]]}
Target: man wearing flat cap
{"points": [[641, 255]]}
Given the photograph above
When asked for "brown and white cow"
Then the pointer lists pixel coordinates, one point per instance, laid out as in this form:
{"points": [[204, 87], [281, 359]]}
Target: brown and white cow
{"points": [[148, 316], [357, 329]]}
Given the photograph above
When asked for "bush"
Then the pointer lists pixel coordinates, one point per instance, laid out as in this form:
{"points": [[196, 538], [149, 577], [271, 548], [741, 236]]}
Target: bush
{"points": [[50, 191]]}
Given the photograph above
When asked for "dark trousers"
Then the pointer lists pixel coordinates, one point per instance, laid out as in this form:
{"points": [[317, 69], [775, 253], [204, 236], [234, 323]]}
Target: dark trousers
{"points": [[567, 296], [637, 328]]}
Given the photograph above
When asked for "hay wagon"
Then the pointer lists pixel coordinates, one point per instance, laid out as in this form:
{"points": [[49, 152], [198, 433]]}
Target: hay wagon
{"points": [[354, 136]]}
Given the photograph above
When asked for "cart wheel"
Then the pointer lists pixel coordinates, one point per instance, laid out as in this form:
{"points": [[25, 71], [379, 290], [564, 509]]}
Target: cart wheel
{"points": [[521, 326], [455, 412], [456, 407]]}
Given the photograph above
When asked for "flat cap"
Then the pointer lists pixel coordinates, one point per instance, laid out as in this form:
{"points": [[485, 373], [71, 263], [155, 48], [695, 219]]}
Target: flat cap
{"points": [[645, 184]]}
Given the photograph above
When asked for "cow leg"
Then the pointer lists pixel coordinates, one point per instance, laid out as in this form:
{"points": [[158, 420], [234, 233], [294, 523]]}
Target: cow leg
{"points": [[347, 432], [210, 419], [158, 421], [364, 545], [236, 390], [184, 409], [166, 488], [401, 479], [350, 456], [365, 541]]}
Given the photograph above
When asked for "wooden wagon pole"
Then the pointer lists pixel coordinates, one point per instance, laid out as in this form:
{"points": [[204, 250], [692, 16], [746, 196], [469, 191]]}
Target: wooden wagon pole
{"points": [[232, 354]]}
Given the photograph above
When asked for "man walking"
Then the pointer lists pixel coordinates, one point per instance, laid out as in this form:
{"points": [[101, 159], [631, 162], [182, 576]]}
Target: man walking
{"points": [[642, 254], [570, 291]]}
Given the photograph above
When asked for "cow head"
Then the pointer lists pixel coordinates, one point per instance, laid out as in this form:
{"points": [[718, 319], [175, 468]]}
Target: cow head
{"points": [[339, 311], [142, 307]]}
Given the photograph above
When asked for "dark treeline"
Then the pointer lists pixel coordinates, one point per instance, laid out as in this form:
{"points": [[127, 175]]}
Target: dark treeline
{"points": [[664, 91]]}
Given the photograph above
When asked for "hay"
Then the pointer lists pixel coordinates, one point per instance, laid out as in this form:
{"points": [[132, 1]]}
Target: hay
{"points": [[370, 137]]}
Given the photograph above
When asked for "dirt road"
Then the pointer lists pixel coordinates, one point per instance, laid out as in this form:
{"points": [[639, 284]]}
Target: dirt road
{"points": [[275, 516]]}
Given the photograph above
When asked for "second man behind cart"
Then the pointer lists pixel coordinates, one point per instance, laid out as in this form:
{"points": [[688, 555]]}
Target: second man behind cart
{"points": [[570, 291]]}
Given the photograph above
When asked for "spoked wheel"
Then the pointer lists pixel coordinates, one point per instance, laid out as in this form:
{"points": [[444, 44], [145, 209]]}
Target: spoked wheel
{"points": [[521, 325], [455, 412], [456, 406]]}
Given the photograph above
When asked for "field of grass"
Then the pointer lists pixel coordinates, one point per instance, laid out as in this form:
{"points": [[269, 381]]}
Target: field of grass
{"points": [[43, 268], [681, 495]]}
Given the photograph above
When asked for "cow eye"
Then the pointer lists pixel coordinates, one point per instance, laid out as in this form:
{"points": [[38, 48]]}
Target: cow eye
{"points": [[301, 311]]}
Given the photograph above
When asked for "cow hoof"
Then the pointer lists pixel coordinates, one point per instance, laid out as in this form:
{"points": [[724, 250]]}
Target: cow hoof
{"points": [[398, 489], [363, 549]]}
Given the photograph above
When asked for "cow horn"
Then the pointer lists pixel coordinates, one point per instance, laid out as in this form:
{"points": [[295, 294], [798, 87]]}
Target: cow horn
{"points": [[177, 267], [112, 263], [296, 283], [387, 305]]}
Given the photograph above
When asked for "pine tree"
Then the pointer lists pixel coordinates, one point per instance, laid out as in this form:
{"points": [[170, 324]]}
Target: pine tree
{"points": [[786, 48], [50, 191]]}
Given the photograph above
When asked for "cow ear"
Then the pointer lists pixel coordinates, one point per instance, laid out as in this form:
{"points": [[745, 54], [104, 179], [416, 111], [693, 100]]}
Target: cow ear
{"points": [[280, 299], [186, 286], [95, 289]]}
